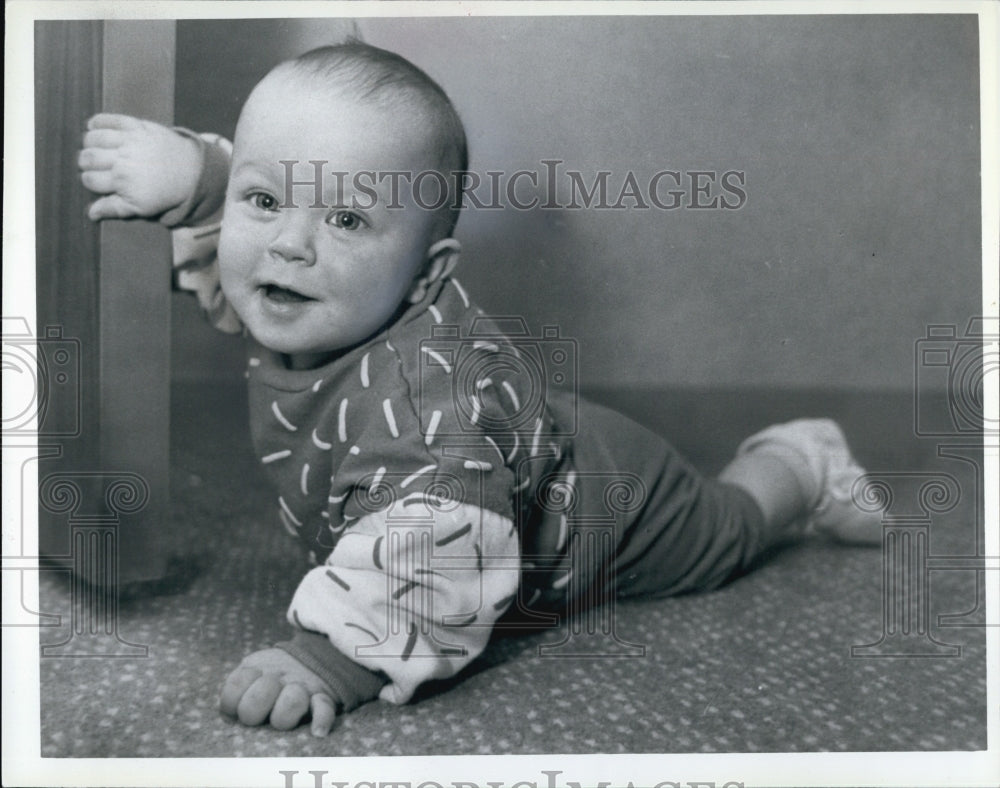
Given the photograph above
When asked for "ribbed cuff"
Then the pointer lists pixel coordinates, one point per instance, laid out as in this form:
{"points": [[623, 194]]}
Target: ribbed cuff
{"points": [[210, 193], [352, 685]]}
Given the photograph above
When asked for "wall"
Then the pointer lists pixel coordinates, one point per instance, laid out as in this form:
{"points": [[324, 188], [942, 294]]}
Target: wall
{"points": [[859, 138]]}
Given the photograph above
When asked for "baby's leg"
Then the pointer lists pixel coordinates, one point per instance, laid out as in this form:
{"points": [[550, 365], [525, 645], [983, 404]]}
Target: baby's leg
{"points": [[684, 532], [694, 533], [801, 474]]}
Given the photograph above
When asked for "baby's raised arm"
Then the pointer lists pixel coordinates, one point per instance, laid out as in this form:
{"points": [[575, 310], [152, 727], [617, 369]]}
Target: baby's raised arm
{"points": [[144, 170]]}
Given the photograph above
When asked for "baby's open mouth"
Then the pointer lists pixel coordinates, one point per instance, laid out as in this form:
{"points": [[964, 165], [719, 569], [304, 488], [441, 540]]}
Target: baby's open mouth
{"points": [[283, 295]]}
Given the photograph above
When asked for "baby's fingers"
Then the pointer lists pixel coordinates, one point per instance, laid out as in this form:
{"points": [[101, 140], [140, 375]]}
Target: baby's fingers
{"points": [[323, 714], [290, 707], [103, 138], [98, 181], [96, 159], [257, 702], [237, 683], [110, 120]]}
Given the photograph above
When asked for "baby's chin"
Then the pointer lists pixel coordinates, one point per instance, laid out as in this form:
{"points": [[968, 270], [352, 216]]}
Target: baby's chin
{"points": [[296, 354], [309, 334]]}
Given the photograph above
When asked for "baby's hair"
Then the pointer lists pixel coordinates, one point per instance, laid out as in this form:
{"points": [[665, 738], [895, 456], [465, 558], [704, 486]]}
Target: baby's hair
{"points": [[378, 75]]}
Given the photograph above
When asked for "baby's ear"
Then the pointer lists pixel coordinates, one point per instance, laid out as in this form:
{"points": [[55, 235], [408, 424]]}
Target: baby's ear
{"points": [[442, 257]]}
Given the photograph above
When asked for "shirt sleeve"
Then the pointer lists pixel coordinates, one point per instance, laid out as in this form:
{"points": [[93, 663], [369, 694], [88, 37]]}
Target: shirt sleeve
{"points": [[204, 204], [350, 684], [413, 591], [196, 225]]}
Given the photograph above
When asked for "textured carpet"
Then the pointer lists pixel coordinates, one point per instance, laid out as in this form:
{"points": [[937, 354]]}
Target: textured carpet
{"points": [[761, 665]]}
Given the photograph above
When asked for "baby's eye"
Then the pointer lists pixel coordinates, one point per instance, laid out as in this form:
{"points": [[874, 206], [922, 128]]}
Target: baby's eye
{"points": [[346, 220], [264, 201]]}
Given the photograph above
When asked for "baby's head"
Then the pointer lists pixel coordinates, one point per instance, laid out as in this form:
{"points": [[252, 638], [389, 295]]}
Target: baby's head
{"points": [[324, 240]]}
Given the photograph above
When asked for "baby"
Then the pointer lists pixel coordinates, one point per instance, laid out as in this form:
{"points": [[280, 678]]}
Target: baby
{"points": [[388, 410]]}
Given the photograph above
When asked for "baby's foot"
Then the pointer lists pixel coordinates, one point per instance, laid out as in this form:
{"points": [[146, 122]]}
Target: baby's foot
{"points": [[827, 471]]}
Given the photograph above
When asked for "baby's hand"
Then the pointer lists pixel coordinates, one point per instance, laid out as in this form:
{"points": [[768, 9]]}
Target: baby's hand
{"points": [[273, 684], [143, 168]]}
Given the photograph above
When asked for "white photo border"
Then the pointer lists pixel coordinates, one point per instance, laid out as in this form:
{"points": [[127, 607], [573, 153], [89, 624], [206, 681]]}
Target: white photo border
{"points": [[22, 764]]}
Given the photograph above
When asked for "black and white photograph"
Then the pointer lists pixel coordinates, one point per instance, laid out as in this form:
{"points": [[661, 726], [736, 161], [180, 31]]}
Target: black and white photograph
{"points": [[500, 394]]}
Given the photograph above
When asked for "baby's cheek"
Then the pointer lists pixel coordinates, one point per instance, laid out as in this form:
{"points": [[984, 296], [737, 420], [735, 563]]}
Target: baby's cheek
{"points": [[234, 257]]}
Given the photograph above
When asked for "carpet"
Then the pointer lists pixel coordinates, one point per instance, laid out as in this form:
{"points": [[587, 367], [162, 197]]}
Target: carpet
{"points": [[762, 665]]}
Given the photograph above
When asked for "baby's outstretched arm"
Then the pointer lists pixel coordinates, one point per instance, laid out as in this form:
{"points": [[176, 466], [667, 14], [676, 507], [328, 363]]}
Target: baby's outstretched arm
{"points": [[144, 170], [305, 677], [141, 168], [272, 686]]}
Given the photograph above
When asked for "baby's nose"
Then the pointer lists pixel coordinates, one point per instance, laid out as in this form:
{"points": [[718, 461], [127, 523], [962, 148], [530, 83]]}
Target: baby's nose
{"points": [[294, 240]]}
